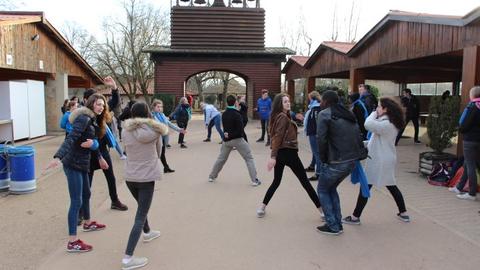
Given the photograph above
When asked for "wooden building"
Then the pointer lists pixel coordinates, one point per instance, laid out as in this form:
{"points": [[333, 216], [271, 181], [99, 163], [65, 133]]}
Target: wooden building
{"points": [[404, 47], [31, 49], [218, 38]]}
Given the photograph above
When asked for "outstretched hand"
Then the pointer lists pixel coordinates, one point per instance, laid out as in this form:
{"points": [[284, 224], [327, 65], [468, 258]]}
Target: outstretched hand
{"points": [[109, 81]]}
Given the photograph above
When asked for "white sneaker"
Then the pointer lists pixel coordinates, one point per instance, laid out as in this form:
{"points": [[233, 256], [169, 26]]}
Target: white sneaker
{"points": [[123, 157], [211, 179], [147, 237], [466, 196], [256, 183], [454, 189], [260, 212], [134, 263]]}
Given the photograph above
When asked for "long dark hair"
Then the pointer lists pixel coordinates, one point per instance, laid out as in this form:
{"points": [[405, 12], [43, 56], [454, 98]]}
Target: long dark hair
{"points": [[277, 106], [140, 110], [104, 117], [394, 112]]}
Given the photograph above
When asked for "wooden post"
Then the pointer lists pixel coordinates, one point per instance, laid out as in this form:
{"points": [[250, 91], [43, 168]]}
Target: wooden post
{"points": [[291, 89], [311, 84], [470, 78], [357, 77]]}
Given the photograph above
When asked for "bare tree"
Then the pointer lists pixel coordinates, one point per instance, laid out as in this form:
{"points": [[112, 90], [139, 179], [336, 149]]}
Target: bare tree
{"points": [[225, 79], [121, 52], [7, 5], [295, 36], [334, 34], [81, 40], [350, 24], [200, 81]]}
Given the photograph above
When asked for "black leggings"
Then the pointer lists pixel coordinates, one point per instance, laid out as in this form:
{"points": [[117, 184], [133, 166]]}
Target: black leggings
{"points": [[289, 157], [143, 194], [163, 158], [181, 136], [396, 194], [109, 175]]}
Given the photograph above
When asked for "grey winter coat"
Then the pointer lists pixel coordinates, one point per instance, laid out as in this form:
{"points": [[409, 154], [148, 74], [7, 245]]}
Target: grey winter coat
{"points": [[143, 145]]}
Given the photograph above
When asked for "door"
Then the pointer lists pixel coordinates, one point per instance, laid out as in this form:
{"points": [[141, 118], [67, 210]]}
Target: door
{"points": [[19, 109], [36, 109]]}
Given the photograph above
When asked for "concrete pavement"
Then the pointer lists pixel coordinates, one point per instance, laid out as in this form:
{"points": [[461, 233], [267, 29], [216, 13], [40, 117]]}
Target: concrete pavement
{"points": [[213, 225]]}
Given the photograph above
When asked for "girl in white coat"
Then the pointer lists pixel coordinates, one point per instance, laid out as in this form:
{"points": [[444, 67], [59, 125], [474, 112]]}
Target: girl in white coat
{"points": [[384, 124]]}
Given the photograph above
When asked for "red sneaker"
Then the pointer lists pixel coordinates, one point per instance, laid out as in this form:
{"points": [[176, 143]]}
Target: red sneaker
{"points": [[93, 226], [78, 246]]}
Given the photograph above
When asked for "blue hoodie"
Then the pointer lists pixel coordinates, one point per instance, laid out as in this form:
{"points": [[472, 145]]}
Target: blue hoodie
{"points": [[264, 107], [64, 123]]}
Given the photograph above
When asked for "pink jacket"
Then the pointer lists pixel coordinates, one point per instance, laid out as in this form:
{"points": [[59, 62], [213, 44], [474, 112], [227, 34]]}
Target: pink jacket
{"points": [[143, 145]]}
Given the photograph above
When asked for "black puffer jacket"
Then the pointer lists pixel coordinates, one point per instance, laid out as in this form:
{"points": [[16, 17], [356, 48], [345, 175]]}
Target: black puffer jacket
{"points": [[338, 136], [83, 127], [470, 123]]}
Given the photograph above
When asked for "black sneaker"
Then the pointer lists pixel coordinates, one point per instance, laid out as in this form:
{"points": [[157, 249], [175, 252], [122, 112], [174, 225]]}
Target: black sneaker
{"points": [[313, 178], [168, 146], [403, 217], [183, 145], [168, 170], [341, 228], [326, 230], [260, 140], [207, 140], [350, 220], [268, 143], [118, 205], [310, 169], [418, 142]]}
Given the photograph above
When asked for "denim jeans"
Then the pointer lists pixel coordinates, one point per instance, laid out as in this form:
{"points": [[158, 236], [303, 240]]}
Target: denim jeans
{"points": [[217, 121], [330, 176], [315, 152], [471, 152], [143, 194], [264, 123], [79, 189]]}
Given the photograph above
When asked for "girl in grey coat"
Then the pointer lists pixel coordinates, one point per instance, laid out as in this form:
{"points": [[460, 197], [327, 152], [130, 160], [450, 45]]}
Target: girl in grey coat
{"points": [[143, 143], [384, 124]]}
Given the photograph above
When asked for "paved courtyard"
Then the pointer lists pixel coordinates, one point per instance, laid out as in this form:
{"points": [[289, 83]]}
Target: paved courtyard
{"points": [[213, 225]]}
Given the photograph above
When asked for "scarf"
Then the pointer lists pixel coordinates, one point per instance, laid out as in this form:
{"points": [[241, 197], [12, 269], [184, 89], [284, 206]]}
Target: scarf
{"points": [[358, 176]]}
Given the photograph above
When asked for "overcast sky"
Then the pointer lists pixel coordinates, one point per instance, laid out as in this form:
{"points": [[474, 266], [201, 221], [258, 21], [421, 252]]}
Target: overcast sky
{"points": [[318, 14]]}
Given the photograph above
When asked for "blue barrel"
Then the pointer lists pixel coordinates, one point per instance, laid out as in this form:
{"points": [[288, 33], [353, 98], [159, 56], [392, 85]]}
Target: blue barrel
{"points": [[4, 173], [22, 169]]}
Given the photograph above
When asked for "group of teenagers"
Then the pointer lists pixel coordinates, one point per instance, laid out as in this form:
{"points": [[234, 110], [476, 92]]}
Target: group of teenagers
{"points": [[338, 138]]}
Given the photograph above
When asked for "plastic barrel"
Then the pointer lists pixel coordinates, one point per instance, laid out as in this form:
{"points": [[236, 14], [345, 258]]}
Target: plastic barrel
{"points": [[22, 169], [4, 173]]}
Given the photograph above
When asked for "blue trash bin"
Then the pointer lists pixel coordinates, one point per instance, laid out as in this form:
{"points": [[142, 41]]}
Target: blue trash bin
{"points": [[22, 169], [4, 173]]}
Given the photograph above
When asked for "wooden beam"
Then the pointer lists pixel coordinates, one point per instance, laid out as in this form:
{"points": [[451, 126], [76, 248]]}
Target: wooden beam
{"points": [[311, 84], [291, 89], [470, 78], [357, 76]]}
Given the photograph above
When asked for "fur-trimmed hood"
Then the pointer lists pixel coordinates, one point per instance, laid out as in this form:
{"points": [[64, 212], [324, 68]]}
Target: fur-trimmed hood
{"points": [[80, 111], [145, 129]]}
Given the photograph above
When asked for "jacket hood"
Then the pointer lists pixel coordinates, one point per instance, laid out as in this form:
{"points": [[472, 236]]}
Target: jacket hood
{"points": [[339, 111], [145, 130], [80, 111]]}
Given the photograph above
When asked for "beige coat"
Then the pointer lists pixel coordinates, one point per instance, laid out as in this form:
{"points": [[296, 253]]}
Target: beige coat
{"points": [[143, 145]]}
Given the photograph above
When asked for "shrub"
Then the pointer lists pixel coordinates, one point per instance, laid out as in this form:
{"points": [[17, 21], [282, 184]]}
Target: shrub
{"points": [[442, 122], [168, 102]]}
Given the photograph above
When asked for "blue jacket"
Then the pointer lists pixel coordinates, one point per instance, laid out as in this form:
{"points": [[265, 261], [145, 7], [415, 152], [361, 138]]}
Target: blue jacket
{"points": [[160, 117], [64, 123], [264, 107], [311, 116]]}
